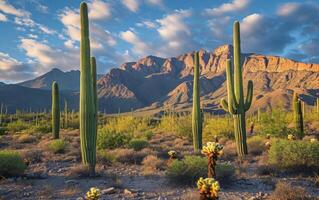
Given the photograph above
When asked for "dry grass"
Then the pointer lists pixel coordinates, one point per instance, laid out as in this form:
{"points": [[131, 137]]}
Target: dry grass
{"points": [[188, 195], [230, 151], [82, 171], [285, 191], [69, 192], [256, 145], [32, 156], [45, 192], [151, 164], [129, 156], [26, 138]]}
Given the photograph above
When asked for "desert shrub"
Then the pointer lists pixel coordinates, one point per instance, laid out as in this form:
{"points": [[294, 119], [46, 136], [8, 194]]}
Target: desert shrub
{"points": [[230, 150], [221, 127], [191, 168], [138, 144], [180, 125], [294, 155], [57, 146], [3, 131], [225, 173], [151, 164], [148, 135], [128, 156], [274, 123], [31, 156], [105, 157], [108, 139], [11, 164], [17, 126], [284, 191], [256, 145], [26, 138], [42, 128]]}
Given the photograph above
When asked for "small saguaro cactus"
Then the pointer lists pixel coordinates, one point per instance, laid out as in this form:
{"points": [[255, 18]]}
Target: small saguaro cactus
{"points": [[236, 104], [196, 113], [208, 188], [66, 120], [298, 115], [55, 110], [212, 151], [87, 100]]}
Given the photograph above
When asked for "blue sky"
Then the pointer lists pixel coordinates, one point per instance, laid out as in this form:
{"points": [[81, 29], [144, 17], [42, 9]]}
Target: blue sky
{"points": [[38, 35]]}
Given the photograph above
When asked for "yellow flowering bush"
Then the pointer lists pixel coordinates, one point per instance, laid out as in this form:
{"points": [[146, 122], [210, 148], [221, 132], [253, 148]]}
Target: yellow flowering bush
{"points": [[172, 153], [208, 187], [93, 194], [313, 140]]}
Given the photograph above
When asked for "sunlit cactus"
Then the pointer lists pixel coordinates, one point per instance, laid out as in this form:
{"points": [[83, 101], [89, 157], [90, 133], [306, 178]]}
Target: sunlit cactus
{"points": [[87, 99], [55, 110], [236, 104], [212, 151], [196, 113], [298, 115], [208, 188]]}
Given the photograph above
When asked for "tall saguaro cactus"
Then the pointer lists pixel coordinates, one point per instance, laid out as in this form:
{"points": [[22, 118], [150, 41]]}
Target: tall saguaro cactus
{"points": [[95, 100], [298, 115], [196, 114], [55, 110], [236, 104], [66, 120], [87, 107]]}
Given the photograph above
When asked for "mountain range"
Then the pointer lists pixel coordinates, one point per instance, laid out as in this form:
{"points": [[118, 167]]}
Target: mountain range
{"points": [[153, 84]]}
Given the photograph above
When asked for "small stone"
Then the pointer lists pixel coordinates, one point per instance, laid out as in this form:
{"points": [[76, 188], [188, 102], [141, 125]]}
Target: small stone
{"points": [[110, 190], [128, 192]]}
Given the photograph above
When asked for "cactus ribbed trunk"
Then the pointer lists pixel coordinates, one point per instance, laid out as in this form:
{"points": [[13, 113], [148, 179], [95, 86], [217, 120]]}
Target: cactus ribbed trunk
{"points": [[236, 104], [298, 116], [87, 108], [196, 113], [55, 110], [66, 120]]}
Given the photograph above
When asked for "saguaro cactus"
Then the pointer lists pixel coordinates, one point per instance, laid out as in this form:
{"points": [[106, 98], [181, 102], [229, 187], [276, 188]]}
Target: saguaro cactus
{"points": [[66, 120], [236, 104], [298, 115], [55, 110], [317, 105], [87, 108], [196, 114]]}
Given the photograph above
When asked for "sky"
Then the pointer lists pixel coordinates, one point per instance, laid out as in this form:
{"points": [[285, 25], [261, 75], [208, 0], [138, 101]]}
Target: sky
{"points": [[38, 35]]}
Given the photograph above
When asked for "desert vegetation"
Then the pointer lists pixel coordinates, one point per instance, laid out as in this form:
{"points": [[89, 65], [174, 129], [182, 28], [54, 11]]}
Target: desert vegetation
{"points": [[268, 154]]}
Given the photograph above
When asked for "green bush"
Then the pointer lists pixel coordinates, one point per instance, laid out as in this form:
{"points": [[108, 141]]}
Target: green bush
{"points": [[105, 157], [148, 135], [221, 127], [3, 131], [191, 168], [17, 126], [294, 155], [11, 164], [256, 145], [138, 144], [107, 139], [180, 125], [57, 146]]}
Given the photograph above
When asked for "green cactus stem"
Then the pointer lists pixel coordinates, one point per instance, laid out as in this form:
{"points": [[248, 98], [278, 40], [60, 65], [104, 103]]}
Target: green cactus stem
{"points": [[196, 113], [87, 106], [55, 110], [298, 116], [66, 120], [236, 104]]}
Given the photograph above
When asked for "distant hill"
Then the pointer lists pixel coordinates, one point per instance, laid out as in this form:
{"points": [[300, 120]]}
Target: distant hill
{"points": [[66, 80], [152, 84]]}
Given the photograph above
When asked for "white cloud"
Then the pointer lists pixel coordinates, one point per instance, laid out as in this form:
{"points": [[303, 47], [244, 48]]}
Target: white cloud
{"points": [[174, 30], [33, 36], [251, 24], [287, 9], [218, 27], [155, 2], [9, 9], [3, 17], [139, 47], [69, 44], [99, 10], [132, 5], [234, 6], [6, 62], [147, 24], [99, 36]]}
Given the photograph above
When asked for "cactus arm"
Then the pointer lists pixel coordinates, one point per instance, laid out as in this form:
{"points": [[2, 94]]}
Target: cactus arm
{"points": [[238, 79], [232, 103], [249, 96], [224, 104]]}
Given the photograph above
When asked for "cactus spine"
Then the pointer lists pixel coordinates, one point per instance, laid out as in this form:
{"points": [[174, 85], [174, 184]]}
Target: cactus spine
{"points": [[236, 104], [55, 110], [87, 108], [298, 115], [196, 114]]}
